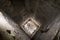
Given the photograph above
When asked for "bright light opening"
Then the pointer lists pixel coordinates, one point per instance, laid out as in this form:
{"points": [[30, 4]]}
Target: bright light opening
{"points": [[30, 26], [4, 24]]}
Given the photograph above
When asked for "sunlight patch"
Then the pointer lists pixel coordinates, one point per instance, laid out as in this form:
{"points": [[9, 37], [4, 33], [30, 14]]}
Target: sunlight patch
{"points": [[30, 26]]}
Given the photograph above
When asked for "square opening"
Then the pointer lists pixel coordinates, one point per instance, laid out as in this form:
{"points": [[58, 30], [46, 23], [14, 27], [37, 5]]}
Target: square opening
{"points": [[30, 26]]}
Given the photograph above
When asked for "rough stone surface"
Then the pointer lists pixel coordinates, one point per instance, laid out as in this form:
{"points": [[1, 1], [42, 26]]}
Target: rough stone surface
{"points": [[44, 11]]}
